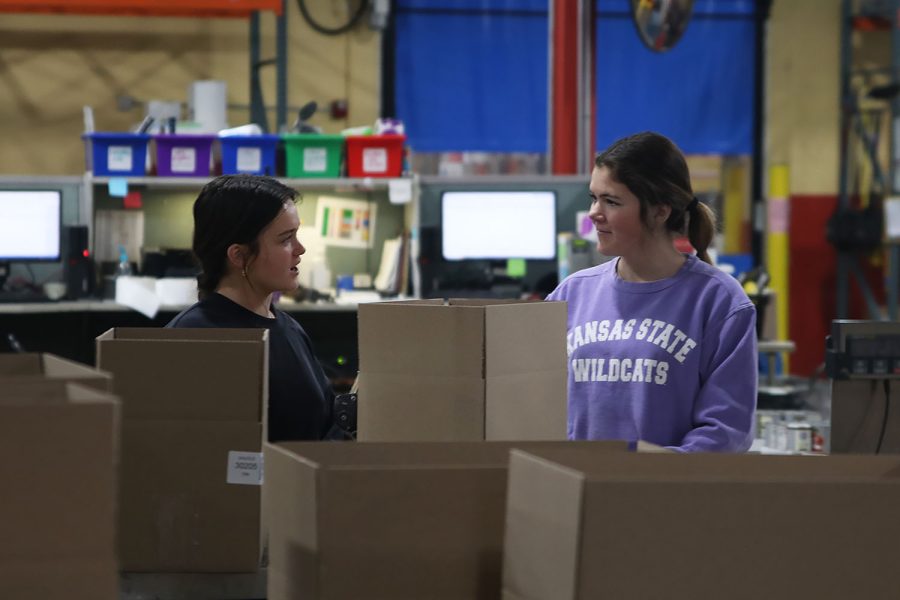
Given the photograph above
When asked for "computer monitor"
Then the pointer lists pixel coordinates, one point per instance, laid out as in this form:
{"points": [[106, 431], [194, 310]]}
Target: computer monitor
{"points": [[498, 225], [29, 227]]}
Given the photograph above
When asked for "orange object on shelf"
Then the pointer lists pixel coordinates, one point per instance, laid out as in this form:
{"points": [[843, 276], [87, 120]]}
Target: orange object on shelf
{"points": [[156, 8], [871, 23]]}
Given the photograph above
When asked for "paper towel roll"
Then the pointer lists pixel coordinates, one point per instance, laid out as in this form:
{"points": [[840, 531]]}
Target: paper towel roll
{"points": [[209, 104]]}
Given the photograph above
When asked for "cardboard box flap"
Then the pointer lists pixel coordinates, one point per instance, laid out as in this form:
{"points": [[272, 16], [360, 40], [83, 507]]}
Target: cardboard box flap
{"points": [[407, 455], [482, 302], [426, 455], [48, 366], [56, 367], [416, 302], [294, 499], [50, 392], [539, 536], [431, 339], [525, 338], [178, 334], [215, 378], [700, 467], [13, 364]]}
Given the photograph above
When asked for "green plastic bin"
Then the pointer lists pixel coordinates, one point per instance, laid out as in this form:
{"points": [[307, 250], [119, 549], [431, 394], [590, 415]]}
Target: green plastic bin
{"points": [[312, 154]]}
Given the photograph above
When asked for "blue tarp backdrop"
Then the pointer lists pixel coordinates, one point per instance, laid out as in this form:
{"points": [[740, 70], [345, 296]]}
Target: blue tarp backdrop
{"points": [[471, 75]]}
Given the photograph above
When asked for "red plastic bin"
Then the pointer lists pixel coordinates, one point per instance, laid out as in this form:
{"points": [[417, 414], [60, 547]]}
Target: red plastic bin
{"points": [[375, 155]]}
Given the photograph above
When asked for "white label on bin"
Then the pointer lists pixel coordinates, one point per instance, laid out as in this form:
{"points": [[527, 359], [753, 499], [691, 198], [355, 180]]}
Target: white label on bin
{"points": [[184, 160], [245, 468], [375, 160], [249, 159], [315, 160], [118, 158]]}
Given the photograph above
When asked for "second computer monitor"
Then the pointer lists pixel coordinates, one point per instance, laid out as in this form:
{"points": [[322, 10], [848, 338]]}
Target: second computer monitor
{"points": [[498, 225]]}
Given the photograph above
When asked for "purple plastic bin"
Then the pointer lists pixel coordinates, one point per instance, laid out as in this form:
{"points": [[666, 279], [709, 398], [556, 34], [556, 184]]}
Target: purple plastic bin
{"points": [[183, 155]]}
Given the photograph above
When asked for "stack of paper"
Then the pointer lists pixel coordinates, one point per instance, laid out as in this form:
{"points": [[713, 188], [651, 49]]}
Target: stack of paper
{"points": [[393, 272]]}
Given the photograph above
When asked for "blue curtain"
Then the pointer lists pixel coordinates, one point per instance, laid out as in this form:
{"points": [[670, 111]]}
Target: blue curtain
{"points": [[471, 75], [699, 93]]}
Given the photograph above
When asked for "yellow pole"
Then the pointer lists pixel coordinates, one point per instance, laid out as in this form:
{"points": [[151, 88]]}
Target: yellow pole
{"points": [[734, 211], [778, 213]]}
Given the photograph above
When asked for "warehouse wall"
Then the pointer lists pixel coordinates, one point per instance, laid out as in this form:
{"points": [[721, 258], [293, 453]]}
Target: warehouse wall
{"points": [[803, 92], [52, 65]]}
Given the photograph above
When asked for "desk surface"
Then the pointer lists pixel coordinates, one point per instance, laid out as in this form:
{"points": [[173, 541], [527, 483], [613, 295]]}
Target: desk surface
{"points": [[81, 306]]}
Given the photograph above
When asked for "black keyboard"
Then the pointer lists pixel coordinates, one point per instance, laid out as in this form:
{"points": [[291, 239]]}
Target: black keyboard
{"points": [[20, 296]]}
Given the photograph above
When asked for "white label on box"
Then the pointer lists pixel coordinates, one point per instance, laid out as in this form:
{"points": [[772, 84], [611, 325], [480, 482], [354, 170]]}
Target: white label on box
{"points": [[184, 160], [245, 468], [315, 160], [249, 159], [375, 160], [118, 158]]}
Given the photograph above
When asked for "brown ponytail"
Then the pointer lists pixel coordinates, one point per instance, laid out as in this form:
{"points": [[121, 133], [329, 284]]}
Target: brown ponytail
{"points": [[701, 230]]}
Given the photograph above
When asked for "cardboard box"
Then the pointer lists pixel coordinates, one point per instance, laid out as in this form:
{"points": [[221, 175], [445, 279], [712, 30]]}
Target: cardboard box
{"points": [[469, 370], [57, 508], [583, 525], [191, 398], [389, 520], [39, 366]]}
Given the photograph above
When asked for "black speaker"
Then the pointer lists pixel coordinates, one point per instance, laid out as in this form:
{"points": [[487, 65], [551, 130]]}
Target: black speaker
{"points": [[78, 267], [430, 260]]}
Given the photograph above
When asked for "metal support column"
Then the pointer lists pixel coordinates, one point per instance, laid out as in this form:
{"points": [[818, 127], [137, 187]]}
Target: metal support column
{"points": [[892, 280], [853, 129], [586, 125], [281, 54], [258, 112], [257, 104], [571, 100], [842, 286]]}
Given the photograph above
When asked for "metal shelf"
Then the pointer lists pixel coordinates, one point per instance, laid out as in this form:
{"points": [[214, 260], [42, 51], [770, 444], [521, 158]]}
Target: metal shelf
{"points": [[855, 106], [336, 183]]}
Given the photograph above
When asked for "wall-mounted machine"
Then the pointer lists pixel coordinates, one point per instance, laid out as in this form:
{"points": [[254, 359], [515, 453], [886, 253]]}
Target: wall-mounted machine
{"points": [[863, 360]]}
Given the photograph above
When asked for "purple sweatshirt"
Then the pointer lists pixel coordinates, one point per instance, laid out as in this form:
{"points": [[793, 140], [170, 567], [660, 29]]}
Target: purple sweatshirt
{"points": [[672, 362]]}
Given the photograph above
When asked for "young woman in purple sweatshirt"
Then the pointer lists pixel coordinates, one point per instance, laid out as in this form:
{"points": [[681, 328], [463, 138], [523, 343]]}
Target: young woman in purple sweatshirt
{"points": [[661, 345]]}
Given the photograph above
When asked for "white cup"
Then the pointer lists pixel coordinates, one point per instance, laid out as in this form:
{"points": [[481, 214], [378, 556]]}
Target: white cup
{"points": [[55, 290]]}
